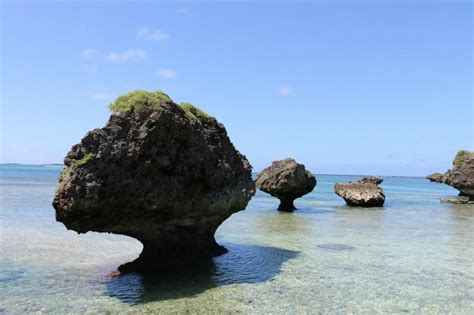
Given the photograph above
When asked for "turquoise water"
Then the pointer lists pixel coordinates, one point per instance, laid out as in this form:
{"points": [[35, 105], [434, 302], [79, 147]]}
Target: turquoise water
{"points": [[416, 255]]}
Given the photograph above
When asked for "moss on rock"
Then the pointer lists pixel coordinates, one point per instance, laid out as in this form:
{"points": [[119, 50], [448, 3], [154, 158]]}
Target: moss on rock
{"points": [[84, 160], [193, 112], [64, 174], [458, 159], [140, 100]]}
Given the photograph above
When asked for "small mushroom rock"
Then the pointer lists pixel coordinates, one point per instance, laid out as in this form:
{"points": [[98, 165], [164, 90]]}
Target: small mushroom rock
{"points": [[364, 192], [165, 174], [286, 180]]}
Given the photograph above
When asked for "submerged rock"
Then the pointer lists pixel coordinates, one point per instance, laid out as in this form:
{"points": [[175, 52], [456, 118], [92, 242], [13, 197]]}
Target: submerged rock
{"points": [[286, 180], [336, 246], [457, 201], [460, 176], [364, 192], [165, 174]]}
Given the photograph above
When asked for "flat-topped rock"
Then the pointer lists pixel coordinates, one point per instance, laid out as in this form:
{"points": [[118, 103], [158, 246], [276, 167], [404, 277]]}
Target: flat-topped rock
{"points": [[286, 180], [364, 192], [165, 174]]}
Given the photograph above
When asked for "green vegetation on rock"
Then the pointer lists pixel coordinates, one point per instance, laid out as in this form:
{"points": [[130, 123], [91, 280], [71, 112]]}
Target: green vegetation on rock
{"points": [[140, 100], [458, 159], [86, 158], [193, 112], [64, 173]]}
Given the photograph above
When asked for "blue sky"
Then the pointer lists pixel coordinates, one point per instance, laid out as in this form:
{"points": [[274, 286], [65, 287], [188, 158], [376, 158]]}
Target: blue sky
{"points": [[359, 87]]}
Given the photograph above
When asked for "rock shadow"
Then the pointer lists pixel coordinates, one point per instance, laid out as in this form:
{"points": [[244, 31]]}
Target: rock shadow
{"points": [[242, 264]]}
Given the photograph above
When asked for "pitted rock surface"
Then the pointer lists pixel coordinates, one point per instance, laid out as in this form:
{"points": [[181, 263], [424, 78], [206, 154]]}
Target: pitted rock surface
{"points": [[364, 192]]}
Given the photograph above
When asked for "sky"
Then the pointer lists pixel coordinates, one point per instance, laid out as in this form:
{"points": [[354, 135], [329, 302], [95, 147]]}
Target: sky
{"points": [[344, 87]]}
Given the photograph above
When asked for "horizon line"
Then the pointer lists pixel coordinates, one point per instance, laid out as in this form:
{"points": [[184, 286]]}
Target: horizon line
{"points": [[253, 172]]}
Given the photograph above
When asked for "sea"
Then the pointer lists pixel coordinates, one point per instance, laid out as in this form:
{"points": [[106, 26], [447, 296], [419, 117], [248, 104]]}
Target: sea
{"points": [[414, 255]]}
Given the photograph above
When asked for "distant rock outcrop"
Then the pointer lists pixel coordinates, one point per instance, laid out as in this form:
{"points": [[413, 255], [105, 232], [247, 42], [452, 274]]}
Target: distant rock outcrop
{"points": [[364, 192], [436, 178], [460, 176], [377, 180], [286, 180], [163, 173]]}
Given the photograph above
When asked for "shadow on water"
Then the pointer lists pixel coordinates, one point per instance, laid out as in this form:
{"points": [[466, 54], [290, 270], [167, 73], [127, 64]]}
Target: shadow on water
{"points": [[354, 208], [242, 264], [309, 211]]}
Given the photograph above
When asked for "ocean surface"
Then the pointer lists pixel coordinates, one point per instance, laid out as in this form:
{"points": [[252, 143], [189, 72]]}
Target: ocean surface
{"points": [[415, 255]]}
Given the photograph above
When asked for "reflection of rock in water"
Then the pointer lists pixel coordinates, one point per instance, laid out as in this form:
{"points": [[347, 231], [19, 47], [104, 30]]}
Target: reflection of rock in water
{"points": [[242, 264], [336, 246]]}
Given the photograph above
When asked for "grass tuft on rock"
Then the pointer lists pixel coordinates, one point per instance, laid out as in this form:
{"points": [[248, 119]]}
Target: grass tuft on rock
{"points": [[458, 159], [84, 160], [140, 100], [193, 112]]}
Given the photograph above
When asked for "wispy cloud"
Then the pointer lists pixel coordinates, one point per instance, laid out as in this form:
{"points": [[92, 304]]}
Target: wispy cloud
{"points": [[166, 73], [128, 55], [152, 34], [90, 53], [285, 90], [100, 96]]}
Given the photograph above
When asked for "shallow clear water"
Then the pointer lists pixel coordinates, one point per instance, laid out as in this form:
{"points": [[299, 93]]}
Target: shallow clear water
{"points": [[414, 255]]}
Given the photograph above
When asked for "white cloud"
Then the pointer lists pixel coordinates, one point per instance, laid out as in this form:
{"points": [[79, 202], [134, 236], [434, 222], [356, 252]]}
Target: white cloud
{"points": [[285, 90], [152, 34], [128, 55], [100, 96], [166, 73], [90, 53]]}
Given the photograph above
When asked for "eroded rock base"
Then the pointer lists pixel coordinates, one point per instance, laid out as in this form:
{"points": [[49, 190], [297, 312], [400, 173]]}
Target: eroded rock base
{"points": [[369, 204], [286, 205], [161, 257]]}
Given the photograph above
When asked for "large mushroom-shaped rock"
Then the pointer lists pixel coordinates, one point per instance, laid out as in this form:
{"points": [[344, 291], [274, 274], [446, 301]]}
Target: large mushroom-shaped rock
{"points": [[163, 173], [286, 180], [460, 176], [364, 192]]}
